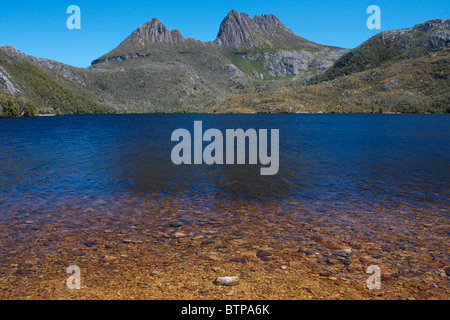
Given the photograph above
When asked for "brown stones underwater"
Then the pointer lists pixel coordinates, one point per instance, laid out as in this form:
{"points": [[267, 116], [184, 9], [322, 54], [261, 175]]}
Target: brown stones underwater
{"points": [[177, 248]]}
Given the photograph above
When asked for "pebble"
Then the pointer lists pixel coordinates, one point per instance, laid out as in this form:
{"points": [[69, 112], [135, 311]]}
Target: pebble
{"points": [[325, 274], [78, 253], [283, 267], [306, 252], [109, 258], [330, 262], [423, 287], [243, 260], [218, 269], [29, 222], [447, 271], [396, 275], [176, 224], [180, 234], [227, 281], [343, 253], [264, 255], [90, 244], [345, 262], [127, 241], [295, 263], [155, 273], [110, 245], [248, 253]]}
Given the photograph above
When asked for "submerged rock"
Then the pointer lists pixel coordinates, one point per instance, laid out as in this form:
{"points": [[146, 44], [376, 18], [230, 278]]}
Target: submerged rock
{"points": [[176, 224], [447, 271], [226, 281], [180, 234], [343, 253]]}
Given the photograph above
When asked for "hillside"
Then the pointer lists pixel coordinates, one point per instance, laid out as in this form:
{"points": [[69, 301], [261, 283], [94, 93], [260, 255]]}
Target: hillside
{"points": [[44, 86], [410, 86], [393, 45]]}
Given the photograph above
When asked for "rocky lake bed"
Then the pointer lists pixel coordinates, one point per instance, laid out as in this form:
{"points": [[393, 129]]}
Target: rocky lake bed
{"points": [[186, 249]]}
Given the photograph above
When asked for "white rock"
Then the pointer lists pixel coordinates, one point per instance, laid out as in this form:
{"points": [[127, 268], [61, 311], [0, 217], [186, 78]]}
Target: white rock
{"points": [[227, 281]]}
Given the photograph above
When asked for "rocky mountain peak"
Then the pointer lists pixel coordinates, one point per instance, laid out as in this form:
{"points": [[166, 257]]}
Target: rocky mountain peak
{"points": [[239, 30], [154, 31]]}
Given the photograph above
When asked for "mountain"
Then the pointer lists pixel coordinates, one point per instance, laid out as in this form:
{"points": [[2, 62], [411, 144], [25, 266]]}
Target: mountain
{"points": [[261, 47], [393, 45], [157, 69], [153, 33], [240, 31], [257, 62]]}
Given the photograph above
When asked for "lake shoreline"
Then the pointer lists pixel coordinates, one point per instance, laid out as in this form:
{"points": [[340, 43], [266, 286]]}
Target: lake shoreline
{"points": [[229, 113]]}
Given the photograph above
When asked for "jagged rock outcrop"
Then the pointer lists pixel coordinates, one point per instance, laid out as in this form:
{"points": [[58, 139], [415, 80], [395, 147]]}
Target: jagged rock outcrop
{"points": [[289, 54], [153, 31], [239, 30], [149, 35]]}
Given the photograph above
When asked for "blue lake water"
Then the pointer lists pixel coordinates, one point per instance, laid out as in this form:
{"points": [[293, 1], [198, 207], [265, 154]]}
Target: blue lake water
{"points": [[354, 160]]}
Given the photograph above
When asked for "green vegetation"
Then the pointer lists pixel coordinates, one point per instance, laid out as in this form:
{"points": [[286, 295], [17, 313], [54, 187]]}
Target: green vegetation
{"points": [[371, 54], [11, 106], [48, 96]]}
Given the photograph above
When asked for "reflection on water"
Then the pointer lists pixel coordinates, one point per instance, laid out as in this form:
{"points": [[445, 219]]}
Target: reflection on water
{"points": [[336, 159]]}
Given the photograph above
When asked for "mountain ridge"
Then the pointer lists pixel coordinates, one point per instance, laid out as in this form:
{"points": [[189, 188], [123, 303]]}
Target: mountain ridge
{"points": [[239, 30], [156, 69]]}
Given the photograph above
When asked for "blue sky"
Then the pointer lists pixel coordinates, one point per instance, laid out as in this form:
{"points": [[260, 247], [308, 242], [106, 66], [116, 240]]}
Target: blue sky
{"points": [[39, 28]]}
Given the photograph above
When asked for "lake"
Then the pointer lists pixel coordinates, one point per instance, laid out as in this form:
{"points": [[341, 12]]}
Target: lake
{"points": [[354, 160], [344, 180]]}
